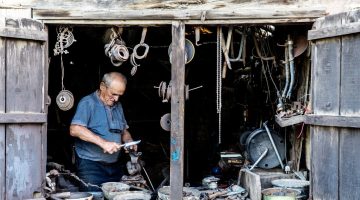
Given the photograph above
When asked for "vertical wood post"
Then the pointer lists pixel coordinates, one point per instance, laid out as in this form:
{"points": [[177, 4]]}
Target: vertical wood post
{"points": [[177, 110], [2, 110]]}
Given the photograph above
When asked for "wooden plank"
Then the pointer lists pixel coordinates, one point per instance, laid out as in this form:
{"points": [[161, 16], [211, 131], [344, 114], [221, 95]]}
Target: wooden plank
{"points": [[24, 77], [23, 160], [326, 66], [252, 183], [45, 104], [145, 22], [233, 12], [334, 121], [2, 110], [334, 31], [349, 162], [283, 122], [324, 162], [329, 21], [15, 12], [23, 118], [2, 73], [2, 162], [23, 34], [177, 110], [350, 73]]}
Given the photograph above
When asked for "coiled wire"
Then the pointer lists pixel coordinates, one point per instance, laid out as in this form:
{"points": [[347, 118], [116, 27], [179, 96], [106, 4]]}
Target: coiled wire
{"points": [[116, 50]]}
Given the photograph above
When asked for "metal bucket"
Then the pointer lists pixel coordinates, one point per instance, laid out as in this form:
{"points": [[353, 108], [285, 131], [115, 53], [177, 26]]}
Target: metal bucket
{"points": [[111, 189], [79, 196], [132, 195], [189, 193], [301, 185], [280, 194]]}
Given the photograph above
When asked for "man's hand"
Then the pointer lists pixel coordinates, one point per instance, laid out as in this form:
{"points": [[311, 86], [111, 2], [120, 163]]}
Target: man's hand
{"points": [[110, 147], [133, 147]]}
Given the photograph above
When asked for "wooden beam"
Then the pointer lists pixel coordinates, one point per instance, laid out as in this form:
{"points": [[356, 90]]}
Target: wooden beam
{"points": [[177, 110], [334, 31], [23, 34], [334, 121], [118, 22], [227, 13], [12, 118]]}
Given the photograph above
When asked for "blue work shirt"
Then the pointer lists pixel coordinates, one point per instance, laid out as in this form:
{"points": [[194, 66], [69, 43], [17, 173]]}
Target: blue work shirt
{"points": [[107, 122]]}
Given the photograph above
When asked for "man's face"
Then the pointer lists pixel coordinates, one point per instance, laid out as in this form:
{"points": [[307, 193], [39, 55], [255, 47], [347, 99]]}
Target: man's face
{"points": [[110, 94]]}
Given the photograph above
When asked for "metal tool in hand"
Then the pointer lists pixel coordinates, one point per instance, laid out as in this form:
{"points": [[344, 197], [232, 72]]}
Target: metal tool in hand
{"points": [[129, 144]]}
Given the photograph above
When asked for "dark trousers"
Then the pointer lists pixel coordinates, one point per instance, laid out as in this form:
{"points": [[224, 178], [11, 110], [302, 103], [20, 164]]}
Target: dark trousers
{"points": [[97, 173]]}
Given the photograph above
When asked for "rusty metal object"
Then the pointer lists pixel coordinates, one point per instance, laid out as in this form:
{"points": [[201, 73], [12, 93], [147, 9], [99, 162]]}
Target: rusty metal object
{"points": [[300, 45]]}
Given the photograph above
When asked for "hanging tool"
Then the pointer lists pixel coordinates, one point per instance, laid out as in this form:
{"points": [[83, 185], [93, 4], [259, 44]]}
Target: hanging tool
{"points": [[165, 91], [225, 48], [165, 122], [116, 49], [65, 99], [197, 36], [189, 51], [218, 78], [242, 48], [135, 55]]}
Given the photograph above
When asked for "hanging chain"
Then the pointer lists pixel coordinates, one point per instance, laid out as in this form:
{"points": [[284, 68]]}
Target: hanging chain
{"points": [[218, 79]]}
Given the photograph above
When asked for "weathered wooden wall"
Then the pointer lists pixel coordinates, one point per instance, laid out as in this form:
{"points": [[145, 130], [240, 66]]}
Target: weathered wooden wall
{"points": [[23, 75], [336, 83], [192, 11]]}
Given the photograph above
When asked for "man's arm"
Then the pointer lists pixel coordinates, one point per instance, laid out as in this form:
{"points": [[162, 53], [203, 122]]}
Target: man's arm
{"points": [[126, 137], [85, 134]]}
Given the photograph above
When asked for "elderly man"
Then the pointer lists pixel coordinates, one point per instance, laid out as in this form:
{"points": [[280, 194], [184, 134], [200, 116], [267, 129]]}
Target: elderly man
{"points": [[100, 127]]}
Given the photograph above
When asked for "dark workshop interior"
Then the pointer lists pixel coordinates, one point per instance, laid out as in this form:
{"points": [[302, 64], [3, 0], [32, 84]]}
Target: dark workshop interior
{"points": [[249, 97]]}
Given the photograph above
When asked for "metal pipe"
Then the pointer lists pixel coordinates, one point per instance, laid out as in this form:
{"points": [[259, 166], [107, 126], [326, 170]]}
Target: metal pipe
{"points": [[274, 146], [287, 72], [259, 159], [292, 68]]}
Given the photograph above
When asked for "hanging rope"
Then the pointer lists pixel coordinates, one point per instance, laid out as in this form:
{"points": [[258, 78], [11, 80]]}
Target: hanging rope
{"points": [[135, 55], [218, 79], [116, 50], [65, 37]]}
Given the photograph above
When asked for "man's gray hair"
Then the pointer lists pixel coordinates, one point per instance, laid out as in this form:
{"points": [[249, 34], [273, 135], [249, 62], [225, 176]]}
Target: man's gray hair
{"points": [[109, 77]]}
